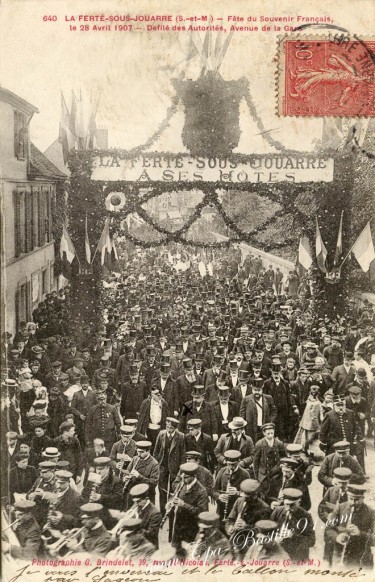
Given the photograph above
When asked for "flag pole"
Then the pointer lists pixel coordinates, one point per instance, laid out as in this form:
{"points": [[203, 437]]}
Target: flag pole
{"points": [[351, 248], [97, 246]]}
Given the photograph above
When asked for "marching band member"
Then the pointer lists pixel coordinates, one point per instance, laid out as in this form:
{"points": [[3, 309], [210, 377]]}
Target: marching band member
{"points": [[150, 517], [106, 489], [143, 468], [227, 484]]}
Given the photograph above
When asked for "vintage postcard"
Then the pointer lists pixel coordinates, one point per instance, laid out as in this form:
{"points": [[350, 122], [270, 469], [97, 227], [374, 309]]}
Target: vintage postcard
{"points": [[187, 290]]}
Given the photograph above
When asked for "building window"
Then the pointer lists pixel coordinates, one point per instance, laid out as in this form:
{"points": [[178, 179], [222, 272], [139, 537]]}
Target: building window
{"points": [[33, 221], [44, 281], [22, 301], [20, 136]]}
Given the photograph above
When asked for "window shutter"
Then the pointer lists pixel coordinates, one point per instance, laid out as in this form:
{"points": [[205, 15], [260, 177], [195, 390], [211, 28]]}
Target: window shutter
{"points": [[29, 221], [28, 301], [40, 219], [35, 218], [17, 224], [17, 306]]}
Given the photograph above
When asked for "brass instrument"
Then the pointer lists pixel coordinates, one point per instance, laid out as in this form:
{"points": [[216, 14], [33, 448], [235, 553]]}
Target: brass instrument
{"points": [[95, 480], [53, 501], [129, 476], [54, 549], [10, 526], [170, 503], [130, 514], [345, 545]]}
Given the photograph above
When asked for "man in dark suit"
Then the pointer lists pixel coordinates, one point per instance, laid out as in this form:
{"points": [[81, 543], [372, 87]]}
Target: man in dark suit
{"points": [[148, 514], [167, 386], [185, 384], [191, 501], [300, 388], [340, 424], [196, 440], [236, 440], [227, 484], [343, 375], [133, 393], [199, 408], [291, 516], [82, 401], [337, 493], [27, 532], [273, 486], [66, 503], [169, 452], [243, 388], [257, 409], [286, 410], [108, 492], [225, 409]]}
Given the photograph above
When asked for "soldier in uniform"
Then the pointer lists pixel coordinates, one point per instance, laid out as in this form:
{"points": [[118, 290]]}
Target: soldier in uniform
{"points": [[143, 468], [340, 424], [102, 421], [247, 509], [27, 531], [295, 525], [210, 544], [351, 528], [227, 484], [340, 458], [268, 452]]}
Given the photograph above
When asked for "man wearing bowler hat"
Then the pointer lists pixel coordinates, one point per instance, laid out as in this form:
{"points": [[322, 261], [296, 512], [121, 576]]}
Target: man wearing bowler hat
{"points": [[199, 408], [351, 528], [236, 440], [169, 452], [27, 531], [257, 409]]}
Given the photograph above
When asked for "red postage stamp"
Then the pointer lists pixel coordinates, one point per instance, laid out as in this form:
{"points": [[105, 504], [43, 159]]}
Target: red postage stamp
{"points": [[326, 77]]}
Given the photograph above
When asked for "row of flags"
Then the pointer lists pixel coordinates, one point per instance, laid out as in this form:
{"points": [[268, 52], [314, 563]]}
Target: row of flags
{"points": [[106, 249], [77, 128], [362, 249]]}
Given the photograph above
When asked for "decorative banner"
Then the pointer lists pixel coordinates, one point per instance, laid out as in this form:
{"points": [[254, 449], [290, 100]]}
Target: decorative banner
{"points": [[180, 168]]}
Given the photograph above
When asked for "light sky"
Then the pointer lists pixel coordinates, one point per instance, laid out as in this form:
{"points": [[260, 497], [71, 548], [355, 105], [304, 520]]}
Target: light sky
{"points": [[40, 59]]}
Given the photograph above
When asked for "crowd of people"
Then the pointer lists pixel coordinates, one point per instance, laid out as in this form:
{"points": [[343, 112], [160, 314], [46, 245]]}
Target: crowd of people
{"points": [[193, 420]]}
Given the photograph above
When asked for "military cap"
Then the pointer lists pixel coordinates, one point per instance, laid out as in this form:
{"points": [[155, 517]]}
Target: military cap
{"points": [[354, 389], [338, 399], [189, 468], [91, 509], [64, 475], [56, 364], [126, 429], [141, 490], [47, 465], [293, 494], [51, 452], [194, 422], [294, 449], [342, 473], [237, 422], [39, 405], [208, 519], [131, 524], [131, 421], [292, 463], [145, 445], [357, 490], [249, 486], [196, 454], [102, 461], [266, 526], [361, 373], [223, 390], [232, 455], [63, 465], [341, 446], [268, 425], [24, 505], [173, 420]]}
